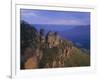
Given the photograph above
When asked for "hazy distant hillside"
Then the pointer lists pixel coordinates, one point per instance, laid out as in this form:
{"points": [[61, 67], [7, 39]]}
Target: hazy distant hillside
{"points": [[49, 50], [82, 32], [80, 35]]}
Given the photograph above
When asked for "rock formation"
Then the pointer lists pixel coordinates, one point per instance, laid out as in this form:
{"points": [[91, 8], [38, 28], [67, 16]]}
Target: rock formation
{"points": [[48, 51]]}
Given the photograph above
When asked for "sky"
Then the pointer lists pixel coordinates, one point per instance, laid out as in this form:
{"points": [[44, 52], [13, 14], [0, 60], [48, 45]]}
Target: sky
{"points": [[33, 16]]}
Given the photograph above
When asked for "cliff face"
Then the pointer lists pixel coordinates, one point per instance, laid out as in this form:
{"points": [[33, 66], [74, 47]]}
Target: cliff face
{"points": [[50, 51]]}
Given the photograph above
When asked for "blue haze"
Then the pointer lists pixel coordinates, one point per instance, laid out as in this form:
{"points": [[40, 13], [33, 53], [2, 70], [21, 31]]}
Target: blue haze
{"points": [[79, 35]]}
